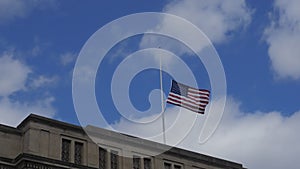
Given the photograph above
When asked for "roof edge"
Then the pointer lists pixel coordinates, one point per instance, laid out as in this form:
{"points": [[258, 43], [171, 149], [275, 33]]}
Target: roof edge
{"points": [[50, 122], [65, 125]]}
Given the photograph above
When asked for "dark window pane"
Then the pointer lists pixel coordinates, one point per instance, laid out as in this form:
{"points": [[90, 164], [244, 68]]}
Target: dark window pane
{"points": [[65, 150], [147, 163], [114, 160], [167, 166], [78, 153], [177, 167], [136, 162], [102, 158]]}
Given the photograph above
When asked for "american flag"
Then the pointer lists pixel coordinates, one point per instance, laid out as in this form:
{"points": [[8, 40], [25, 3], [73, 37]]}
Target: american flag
{"points": [[188, 97]]}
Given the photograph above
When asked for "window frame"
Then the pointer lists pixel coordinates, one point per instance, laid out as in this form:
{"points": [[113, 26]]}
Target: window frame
{"points": [[73, 141], [114, 154], [139, 162], [80, 162], [150, 162], [105, 157], [142, 158], [62, 154], [173, 164], [109, 150]]}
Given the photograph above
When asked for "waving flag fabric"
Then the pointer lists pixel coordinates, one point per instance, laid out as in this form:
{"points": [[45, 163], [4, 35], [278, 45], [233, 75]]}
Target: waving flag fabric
{"points": [[188, 97]]}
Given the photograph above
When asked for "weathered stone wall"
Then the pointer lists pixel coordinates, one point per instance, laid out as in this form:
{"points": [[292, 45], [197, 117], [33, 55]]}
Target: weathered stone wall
{"points": [[10, 142]]}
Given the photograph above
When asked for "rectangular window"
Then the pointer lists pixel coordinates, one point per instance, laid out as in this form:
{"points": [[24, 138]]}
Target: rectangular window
{"points": [[147, 163], [114, 160], [177, 166], [136, 162], [102, 158], [167, 165], [65, 150], [172, 165], [78, 153]]}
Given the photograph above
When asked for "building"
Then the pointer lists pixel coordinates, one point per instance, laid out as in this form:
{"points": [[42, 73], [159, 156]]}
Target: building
{"points": [[43, 143]]}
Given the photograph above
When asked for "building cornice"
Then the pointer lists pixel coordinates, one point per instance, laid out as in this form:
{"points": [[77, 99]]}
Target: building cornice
{"points": [[125, 139], [9, 129], [50, 122]]}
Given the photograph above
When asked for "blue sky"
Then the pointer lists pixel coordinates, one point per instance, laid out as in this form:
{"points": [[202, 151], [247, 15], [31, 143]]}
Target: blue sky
{"points": [[257, 42]]}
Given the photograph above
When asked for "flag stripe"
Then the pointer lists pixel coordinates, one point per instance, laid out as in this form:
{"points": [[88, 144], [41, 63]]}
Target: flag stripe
{"points": [[203, 101], [198, 96], [175, 96], [187, 104], [178, 104], [199, 92], [184, 104]]}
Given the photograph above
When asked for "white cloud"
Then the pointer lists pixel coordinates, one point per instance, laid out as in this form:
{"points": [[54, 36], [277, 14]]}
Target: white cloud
{"points": [[283, 37], [13, 75], [13, 78], [257, 140], [216, 18], [13, 112], [11, 9], [68, 58], [42, 81]]}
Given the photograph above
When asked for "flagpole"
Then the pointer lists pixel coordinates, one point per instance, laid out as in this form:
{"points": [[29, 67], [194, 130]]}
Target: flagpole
{"points": [[162, 100]]}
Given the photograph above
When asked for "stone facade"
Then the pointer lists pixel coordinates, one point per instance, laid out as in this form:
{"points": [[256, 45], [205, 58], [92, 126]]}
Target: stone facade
{"points": [[43, 143]]}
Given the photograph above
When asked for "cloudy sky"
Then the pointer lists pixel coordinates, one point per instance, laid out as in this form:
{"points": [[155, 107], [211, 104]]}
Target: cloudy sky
{"points": [[256, 41]]}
